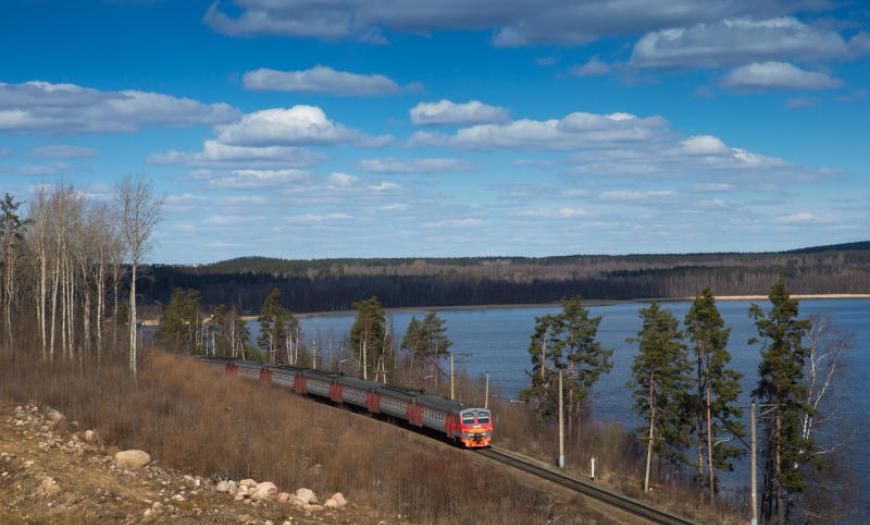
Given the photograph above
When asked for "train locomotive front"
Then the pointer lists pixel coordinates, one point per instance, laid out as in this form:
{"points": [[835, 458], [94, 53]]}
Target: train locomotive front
{"points": [[475, 427]]}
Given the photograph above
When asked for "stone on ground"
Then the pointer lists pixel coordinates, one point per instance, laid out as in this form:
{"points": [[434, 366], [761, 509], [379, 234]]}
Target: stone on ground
{"points": [[132, 459], [306, 496], [265, 490]]}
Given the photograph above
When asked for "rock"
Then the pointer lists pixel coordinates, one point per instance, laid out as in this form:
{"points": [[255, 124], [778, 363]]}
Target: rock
{"points": [[54, 416], [283, 497], [28, 463], [248, 483], [192, 482], [306, 496], [132, 459], [336, 501], [178, 497], [147, 514], [225, 486], [265, 490], [313, 508], [90, 436]]}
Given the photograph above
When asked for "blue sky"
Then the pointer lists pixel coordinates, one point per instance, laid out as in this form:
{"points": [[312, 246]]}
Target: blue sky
{"points": [[445, 128]]}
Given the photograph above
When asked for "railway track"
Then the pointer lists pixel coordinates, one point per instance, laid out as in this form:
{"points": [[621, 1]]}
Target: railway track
{"points": [[619, 501]]}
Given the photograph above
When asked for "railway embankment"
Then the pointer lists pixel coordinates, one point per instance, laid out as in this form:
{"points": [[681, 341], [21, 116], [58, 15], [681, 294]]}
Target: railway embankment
{"points": [[52, 471], [226, 432]]}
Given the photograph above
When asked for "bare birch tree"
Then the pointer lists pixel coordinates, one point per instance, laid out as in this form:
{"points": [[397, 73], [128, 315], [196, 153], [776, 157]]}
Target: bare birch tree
{"points": [[139, 209]]}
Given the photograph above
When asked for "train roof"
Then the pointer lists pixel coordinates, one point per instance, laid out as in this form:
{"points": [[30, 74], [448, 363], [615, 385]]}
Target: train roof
{"points": [[405, 392]]}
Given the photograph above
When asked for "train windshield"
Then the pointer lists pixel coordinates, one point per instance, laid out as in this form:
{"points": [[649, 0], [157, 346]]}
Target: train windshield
{"points": [[483, 418], [468, 418]]}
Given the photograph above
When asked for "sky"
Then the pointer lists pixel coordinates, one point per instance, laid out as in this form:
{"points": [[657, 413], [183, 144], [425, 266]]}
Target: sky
{"points": [[443, 128]]}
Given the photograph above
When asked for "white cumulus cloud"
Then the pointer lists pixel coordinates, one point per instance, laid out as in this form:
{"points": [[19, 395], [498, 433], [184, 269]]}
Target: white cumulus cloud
{"points": [[574, 131], [640, 197], [776, 75], [514, 22], [215, 154], [297, 126], [314, 218], [252, 178], [802, 217], [320, 79], [564, 213], [61, 151], [447, 112], [737, 40], [392, 165], [38, 106], [594, 67]]}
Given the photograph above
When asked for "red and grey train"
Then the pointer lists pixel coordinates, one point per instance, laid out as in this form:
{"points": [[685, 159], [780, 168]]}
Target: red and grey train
{"points": [[468, 426]]}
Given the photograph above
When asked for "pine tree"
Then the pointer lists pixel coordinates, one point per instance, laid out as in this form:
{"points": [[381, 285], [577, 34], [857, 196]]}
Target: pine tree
{"points": [[12, 229], [566, 341], [545, 353], [179, 321], [586, 358], [218, 328], [368, 336], [661, 387], [426, 340], [718, 389], [781, 386], [278, 328]]}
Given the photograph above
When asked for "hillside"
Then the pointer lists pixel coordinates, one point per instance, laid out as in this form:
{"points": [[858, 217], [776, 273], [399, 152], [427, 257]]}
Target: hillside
{"points": [[334, 284]]}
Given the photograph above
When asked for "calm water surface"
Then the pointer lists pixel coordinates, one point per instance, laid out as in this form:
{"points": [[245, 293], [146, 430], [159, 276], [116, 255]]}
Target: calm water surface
{"points": [[496, 340]]}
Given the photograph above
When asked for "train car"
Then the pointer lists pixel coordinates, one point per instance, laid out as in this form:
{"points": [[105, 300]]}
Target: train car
{"points": [[397, 401], [353, 391], [469, 426]]}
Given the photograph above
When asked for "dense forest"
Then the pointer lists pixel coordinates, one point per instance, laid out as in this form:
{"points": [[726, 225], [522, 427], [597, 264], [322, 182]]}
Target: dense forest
{"points": [[334, 284]]}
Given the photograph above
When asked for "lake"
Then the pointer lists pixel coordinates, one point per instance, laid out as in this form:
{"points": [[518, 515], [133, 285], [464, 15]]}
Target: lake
{"points": [[496, 340]]}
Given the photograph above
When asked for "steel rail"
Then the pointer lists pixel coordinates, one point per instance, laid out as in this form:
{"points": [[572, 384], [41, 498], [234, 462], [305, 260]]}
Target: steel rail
{"points": [[586, 488]]}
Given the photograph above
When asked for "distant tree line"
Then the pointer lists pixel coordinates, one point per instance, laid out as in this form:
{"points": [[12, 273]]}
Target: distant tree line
{"points": [[337, 284]]}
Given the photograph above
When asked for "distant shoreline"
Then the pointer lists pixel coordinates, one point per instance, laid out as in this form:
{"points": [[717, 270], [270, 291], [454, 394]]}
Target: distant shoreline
{"points": [[589, 302]]}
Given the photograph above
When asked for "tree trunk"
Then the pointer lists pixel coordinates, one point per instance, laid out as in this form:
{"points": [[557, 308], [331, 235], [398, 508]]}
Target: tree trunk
{"points": [[115, 290], [544, 357], [133, 317], [652, 424], [42, 292], [54, 286], [710, 446], [100, 309], [780, 510], [86, 319], [63, 311], [365, 357], [700, 439]]}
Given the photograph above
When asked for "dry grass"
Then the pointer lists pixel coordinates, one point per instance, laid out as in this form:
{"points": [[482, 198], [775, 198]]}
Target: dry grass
{"points": [[193, 419]]}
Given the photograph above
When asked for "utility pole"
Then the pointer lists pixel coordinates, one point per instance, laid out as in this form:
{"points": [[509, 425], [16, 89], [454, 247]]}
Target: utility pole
{"points": [[452, 386], [752, 465], [486, 393], [364, 356], [561, 426]]}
